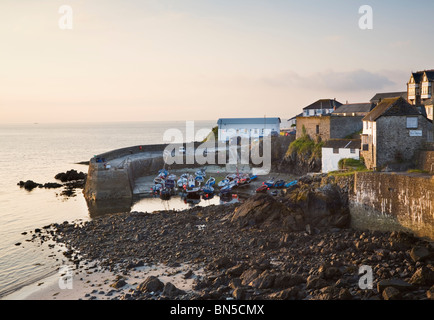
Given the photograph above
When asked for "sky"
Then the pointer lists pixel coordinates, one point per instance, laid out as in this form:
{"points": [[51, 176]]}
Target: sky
{"points": [[155, 60]]}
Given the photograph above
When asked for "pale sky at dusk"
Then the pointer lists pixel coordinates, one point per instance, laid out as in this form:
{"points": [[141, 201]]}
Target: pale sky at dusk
{"points": [[140, 60]]}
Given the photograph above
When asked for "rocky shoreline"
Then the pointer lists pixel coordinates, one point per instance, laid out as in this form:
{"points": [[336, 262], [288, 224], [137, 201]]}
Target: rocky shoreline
{"points": [[296, 246]]}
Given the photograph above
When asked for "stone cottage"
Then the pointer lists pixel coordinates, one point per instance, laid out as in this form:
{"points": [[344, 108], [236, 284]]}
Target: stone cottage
{"points": [[394, 131]]}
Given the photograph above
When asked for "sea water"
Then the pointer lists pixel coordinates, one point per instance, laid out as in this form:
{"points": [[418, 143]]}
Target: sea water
{"points": [[38, 152]]}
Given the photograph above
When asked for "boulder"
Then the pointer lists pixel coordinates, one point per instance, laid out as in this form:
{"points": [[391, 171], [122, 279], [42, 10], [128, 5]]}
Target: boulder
{"points": [[419, 254], [118, 284], [315, 282], [423, 276], [248, 276], [264, 281], [391, 293], [236, 270], [29, 185], [239, 293], [322, 207], [394, 283], [262, 210], [71, 175], [171, 291], [151, 284]]}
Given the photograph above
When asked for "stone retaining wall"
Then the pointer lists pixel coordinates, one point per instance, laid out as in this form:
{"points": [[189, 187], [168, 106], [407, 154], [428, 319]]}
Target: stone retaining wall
{"points": [[404, 200]]}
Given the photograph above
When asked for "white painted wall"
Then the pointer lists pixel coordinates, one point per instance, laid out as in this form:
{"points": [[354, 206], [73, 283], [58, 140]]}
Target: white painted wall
{"points": [[228, 131], [330, 160]]}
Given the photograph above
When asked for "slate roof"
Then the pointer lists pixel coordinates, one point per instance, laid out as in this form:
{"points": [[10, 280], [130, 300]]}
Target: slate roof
{"points": [[386, 95], [342, 143], [324, 104], [418, 76], [354, 108], [392, 107]]}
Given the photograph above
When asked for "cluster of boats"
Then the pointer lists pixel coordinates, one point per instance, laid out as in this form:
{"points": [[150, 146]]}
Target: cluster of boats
{"points": [[166, 184], [272, 183]]}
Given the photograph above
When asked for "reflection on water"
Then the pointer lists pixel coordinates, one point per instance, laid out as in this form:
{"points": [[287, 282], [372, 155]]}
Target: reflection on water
{"points": [[155, 203], [104, 207]]}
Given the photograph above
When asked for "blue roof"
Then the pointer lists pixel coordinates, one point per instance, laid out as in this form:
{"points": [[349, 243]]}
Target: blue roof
{"points": [[248, 121]]}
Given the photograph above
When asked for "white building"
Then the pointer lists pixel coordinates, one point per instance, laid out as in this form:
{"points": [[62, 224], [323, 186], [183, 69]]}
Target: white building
{"points": [[247, 127], [337, 149]]}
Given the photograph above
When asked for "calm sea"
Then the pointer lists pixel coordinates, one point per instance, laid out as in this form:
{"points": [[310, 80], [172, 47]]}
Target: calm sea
{"points": [[38, 152]]}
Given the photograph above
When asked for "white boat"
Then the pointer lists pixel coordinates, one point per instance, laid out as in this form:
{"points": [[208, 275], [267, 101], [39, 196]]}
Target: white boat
{"points": [[191, 183], [192, 190], [182, 182], [200, 172], [200, 179], [223, 183], [211, 181]]}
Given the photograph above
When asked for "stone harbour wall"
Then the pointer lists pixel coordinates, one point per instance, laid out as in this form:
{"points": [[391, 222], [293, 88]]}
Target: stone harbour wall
{"points": [[394, 201]]}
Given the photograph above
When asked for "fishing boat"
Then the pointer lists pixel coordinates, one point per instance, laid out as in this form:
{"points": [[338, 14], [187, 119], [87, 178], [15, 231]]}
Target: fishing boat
{"points": [[163, 172], [253, 177], [290, 184], [171, 177], [242, 180], [211, 181], [200, 172], [199, 179], [182, 182], [269, 183], [158, 180], [223, 183], [191, 182], [279, 184], [207, 196], [262, 189], [156, 188], [207, 189], [170, 184], [231, 176], [165, 193]]}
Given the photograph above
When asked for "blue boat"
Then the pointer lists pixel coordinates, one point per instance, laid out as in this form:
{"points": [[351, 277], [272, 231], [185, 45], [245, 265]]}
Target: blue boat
{"points": [[269, 183], [279, 184], [290, 184], [208, 189], [170, 184], [253, 178]]}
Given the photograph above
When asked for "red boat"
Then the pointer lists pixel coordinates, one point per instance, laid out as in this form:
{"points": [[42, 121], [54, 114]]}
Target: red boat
{"points": [[262, 189]]}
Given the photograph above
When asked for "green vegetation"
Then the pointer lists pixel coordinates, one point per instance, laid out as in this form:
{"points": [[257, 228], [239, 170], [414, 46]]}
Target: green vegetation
{"points": [[305, 146], [214, 132], [417, 171], [350, 166]]}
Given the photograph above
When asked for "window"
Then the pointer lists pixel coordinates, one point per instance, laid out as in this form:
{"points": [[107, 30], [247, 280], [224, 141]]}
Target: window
{"points": [[352, 150], [335, 150], [412, 123]]}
